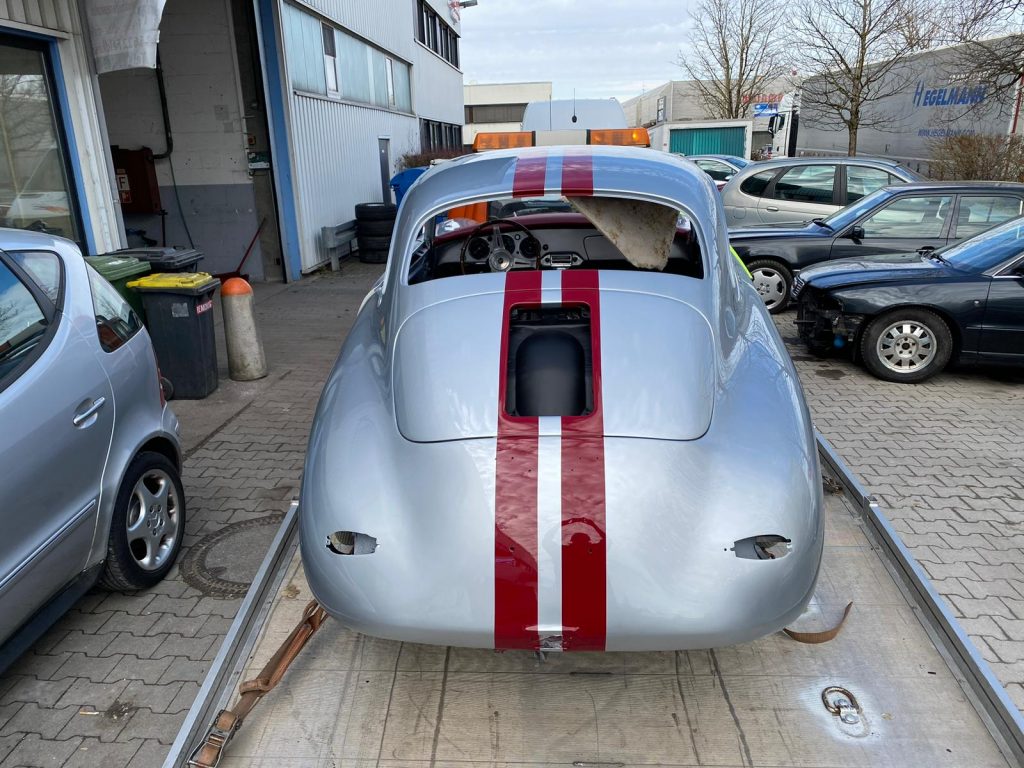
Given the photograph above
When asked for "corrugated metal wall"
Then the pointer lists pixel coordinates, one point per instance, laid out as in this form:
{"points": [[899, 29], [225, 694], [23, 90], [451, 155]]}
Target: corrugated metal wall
{"points": [[334, 143], [53, 15], [389, 24], [336, 162]]}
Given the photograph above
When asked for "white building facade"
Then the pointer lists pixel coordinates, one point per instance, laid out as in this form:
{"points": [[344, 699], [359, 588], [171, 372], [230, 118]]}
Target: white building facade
{"points": [[499, 107], [265, 121]]}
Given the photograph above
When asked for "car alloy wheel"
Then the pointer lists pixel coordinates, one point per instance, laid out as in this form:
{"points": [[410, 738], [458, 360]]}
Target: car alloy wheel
{"points": [[152, 521], [906, 346], [772, 283]]}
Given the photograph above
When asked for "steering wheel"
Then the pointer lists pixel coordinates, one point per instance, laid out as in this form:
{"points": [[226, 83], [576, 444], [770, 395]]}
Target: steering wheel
{"points": [[500, 259]]}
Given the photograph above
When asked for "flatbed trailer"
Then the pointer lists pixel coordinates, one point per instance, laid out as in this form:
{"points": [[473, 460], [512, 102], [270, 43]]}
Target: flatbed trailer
{"points": [[901, 685]]}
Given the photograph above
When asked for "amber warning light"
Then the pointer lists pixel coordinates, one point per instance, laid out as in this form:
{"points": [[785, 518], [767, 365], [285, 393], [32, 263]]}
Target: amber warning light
{"points": [[623, 137], [503, 140]]}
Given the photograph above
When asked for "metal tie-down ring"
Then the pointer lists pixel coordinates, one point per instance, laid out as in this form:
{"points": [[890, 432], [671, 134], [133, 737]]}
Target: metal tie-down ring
{"points": [[841, 703]]}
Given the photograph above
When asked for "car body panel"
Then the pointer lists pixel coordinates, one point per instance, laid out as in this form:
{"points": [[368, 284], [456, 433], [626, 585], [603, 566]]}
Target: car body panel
{"points": [[36, 413], [561, 532], [1002, 338], [799, 247]]}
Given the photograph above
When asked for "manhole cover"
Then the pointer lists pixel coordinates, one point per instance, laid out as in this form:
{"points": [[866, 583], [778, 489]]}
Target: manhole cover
{"points": [[224, 563]]}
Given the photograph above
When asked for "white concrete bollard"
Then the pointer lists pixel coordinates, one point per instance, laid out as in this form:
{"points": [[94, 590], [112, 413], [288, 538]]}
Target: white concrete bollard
{"points": [[246, 360]]}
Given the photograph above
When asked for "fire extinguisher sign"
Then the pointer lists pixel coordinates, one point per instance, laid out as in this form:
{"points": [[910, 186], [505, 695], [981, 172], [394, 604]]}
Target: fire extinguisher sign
{"points": [[124, 189]]}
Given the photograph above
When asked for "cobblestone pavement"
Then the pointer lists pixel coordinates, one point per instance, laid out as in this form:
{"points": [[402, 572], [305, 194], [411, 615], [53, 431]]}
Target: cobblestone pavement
{"points": [[946, 459], [110, 684]]}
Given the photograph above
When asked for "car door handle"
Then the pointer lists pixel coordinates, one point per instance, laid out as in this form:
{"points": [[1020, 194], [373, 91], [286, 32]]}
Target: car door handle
{"points": [[83, 416], [772, 208]]}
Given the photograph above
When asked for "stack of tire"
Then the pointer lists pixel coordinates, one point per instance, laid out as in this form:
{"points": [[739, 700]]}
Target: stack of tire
{"points": [[374, 224]]}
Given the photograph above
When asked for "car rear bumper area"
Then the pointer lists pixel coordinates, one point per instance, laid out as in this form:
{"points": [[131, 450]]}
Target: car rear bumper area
{"points": [[700, 559]]}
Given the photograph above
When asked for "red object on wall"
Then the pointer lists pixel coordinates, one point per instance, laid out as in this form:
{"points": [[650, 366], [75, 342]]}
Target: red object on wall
{"points": [[137, 187]]}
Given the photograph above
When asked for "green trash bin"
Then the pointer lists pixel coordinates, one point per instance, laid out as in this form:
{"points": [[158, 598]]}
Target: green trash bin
{"points": [[118, 270]]}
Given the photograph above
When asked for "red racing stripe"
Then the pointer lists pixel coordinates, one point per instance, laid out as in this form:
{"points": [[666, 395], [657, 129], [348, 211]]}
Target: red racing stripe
{"points": [[584, 557], [528, 180], [515, 497], [578, 175]]}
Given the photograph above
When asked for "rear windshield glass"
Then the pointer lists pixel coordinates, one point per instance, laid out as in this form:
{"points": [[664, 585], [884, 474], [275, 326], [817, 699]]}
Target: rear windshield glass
{"points": [[554, 232]]}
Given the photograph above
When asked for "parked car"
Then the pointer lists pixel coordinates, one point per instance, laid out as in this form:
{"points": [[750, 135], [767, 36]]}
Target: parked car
{"points": [[903, 218], [513, 452], [90, 488], [798, 189], [907, 315], [720, 168]]}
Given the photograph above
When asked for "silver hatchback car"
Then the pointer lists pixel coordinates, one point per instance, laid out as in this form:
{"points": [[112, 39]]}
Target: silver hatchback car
{"points": [[90, 488], [796, 189]]}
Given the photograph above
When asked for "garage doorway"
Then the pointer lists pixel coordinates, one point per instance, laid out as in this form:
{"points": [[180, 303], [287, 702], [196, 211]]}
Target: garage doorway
{"points": [[250, 75]]}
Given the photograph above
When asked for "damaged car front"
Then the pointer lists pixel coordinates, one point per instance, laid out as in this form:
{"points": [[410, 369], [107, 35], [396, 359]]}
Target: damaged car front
{"points": [[531, 438]]}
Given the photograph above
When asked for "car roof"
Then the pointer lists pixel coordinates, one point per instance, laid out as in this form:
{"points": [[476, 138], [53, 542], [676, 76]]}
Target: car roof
{"points": [[13, 239], [777, 162], [727, 158], [957, 186]]}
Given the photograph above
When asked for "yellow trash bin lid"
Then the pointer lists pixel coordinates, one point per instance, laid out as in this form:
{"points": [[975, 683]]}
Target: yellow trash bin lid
{"points": [[176, 282]]}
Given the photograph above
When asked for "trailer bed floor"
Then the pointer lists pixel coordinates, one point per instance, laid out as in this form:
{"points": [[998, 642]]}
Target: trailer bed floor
{"points": [[351, 700]]}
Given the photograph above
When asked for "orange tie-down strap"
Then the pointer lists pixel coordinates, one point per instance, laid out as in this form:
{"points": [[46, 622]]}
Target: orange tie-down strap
{"points": [[228, 721], [813, 638]]}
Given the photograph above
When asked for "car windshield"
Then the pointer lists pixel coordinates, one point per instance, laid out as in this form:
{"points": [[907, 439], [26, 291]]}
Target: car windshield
{"points": [[987, 250], [844, 217]]}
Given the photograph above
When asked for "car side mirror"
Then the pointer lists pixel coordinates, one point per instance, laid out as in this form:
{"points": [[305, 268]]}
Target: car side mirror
{"points": [[856, 233], [727, 177]]}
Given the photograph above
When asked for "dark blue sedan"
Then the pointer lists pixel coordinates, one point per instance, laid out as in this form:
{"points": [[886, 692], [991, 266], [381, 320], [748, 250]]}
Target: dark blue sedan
{"points": [[907, 315]]}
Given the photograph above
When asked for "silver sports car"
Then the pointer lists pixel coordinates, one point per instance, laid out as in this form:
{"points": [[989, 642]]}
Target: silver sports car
{"points": [[569, 430]]}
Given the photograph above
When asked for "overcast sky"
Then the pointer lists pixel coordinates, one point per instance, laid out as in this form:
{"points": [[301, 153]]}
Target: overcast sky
{"points": [[602, 48]]}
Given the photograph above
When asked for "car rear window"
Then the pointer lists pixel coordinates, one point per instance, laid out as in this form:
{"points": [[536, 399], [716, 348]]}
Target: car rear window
{"points": [[116, 321], [807, 184], [979, 212], [755, 185]]}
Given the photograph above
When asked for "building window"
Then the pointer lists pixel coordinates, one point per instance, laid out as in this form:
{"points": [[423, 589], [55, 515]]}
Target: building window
{"points": [[389, 67], [328, 61], [35, 189], [438, 135], [433, 32], [495, 113]]}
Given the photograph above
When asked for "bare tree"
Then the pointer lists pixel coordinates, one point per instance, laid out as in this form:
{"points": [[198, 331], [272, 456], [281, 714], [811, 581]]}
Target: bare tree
{"points": [[733, 52], [854, 54], [990, 36]]}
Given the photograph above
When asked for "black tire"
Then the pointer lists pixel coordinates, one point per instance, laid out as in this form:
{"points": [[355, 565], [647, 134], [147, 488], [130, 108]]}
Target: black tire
{"points": [[773, 281], [376, 228], [923, 333], [373, 257], [376, 211], [374, 243], [123, 569]]}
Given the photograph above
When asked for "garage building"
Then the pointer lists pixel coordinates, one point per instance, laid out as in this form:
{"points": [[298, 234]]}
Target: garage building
{"points": [[269, 116]]}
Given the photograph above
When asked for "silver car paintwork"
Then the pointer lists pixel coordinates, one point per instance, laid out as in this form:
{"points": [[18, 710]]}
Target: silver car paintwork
{"points": [[674, 507], [45, 547], [743, 210]]}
